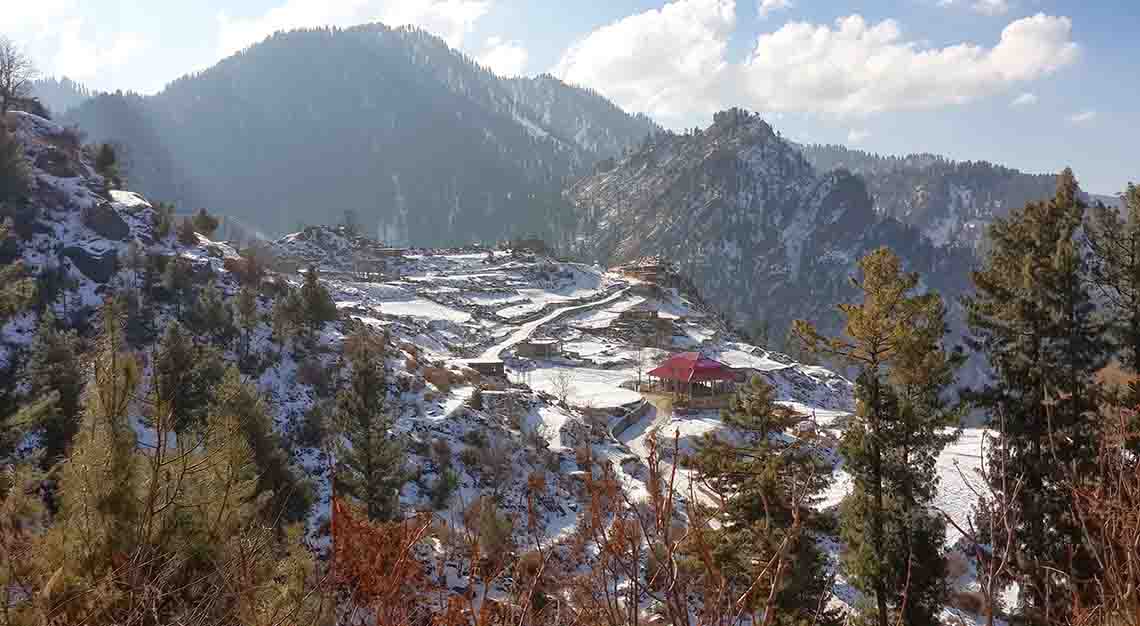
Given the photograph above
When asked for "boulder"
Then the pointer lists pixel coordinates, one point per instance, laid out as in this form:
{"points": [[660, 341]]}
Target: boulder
{"points": [[104, 220], [99, 268]]}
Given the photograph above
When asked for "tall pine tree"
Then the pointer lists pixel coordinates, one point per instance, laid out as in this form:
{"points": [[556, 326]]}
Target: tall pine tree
{"points": [[1033, 317], [894, 337], [55, 370], [318, 305], [370, 466], [1114, 240]]}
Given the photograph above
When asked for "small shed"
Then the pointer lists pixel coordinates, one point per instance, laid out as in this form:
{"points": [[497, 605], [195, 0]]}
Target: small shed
{"points": [[489, 367], [643, 311], [539, 348]]}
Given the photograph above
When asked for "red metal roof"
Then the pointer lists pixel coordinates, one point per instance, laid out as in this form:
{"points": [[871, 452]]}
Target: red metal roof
{"points": [[692, 367]]}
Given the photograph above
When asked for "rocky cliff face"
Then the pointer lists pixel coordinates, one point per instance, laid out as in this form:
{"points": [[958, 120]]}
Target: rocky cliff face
{"points": [[951, 202], [763, 234]]}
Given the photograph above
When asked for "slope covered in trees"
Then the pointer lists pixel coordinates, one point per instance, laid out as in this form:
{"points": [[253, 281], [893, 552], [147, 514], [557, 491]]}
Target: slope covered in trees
{"points": [[951, 202], [421, 142]]}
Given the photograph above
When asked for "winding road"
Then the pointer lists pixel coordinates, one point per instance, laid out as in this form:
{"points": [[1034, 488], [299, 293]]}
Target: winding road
{"points": [[524, 332]]}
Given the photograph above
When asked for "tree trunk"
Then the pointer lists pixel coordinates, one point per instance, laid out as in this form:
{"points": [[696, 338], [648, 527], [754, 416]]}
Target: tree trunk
{"points": [[877, 494]]}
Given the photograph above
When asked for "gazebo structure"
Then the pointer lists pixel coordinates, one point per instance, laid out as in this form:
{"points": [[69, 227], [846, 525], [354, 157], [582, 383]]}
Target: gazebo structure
{"points": [[690, 372]]}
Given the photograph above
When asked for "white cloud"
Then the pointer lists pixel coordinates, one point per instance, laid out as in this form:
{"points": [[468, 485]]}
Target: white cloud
{"points": [[450, 19], [857, 68], [985, 7], [1024, 100], [1084, 117], [857, 135], [992, 7], [666, 62], [505, 58], [671, 63], [63, 42], [768, 7]]}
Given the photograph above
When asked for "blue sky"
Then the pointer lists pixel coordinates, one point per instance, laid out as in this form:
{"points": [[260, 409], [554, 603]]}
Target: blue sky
{"points": [[1034, 84]]}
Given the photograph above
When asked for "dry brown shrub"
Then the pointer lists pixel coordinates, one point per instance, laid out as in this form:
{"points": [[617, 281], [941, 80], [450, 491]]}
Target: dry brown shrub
{"points": [[439, 377]]}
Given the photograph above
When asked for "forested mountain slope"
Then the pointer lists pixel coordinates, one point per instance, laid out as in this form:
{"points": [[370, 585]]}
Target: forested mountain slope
{"points": [[423, 143], [951, 202]]}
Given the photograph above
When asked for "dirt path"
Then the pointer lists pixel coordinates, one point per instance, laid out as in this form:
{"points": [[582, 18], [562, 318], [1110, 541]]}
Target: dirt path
{"points": [[526, 330]]}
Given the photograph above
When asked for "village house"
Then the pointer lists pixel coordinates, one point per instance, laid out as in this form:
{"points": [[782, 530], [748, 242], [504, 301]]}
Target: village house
{"points": [[539, 349], [489, 367], [653, 270], [643, 311]]}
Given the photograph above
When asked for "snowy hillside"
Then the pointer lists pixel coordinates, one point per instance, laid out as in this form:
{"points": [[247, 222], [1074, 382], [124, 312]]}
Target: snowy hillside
{"points": [[573, 342]]}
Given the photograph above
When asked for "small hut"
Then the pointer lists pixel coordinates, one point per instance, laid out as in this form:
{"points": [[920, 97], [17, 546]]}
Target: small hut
{"points": [[690, 373], [489, 367], [539, 348]]}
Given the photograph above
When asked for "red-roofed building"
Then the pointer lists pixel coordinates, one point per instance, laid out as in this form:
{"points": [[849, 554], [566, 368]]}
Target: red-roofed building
{"points": [[689, 371]]}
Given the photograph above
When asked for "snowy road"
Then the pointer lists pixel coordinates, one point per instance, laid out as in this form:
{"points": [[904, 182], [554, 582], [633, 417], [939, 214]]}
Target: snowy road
{"points": [[525, 331]]}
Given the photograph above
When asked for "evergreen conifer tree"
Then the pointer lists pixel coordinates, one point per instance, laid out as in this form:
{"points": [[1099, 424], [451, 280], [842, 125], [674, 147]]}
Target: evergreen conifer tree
{"points": [[205, 223], [184, 374], [1032, 316], [1114, 241], [894, 336], [177, 282], [54, 369], [370, 467], [17, 291], [287, 496], [107, 166], [247, 318], [768, 488], [15, 175], [318, 305], [187, 236], [211, 316]]}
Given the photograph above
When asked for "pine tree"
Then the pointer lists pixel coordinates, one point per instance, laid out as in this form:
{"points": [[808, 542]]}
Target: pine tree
{"points": [[184, 374], [768, 488], [170, 531], [55, 370], [288, 497], [107, 166], [177, 281], [17, 291], [370, 467], [211, 316], [15, 175], [892, 336], [1114, 241], [163, 220], [318, 305], [248, 318], [187, 235], [205, 223], [1033, 318]]}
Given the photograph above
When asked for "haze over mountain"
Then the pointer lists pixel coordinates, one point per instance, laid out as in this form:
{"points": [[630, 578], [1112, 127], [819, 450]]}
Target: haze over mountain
{"points": [[422, 143]]}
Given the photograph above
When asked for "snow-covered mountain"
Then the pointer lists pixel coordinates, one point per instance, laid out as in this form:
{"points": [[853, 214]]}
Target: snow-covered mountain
{"points": [[764, 235], [950, 202]]}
